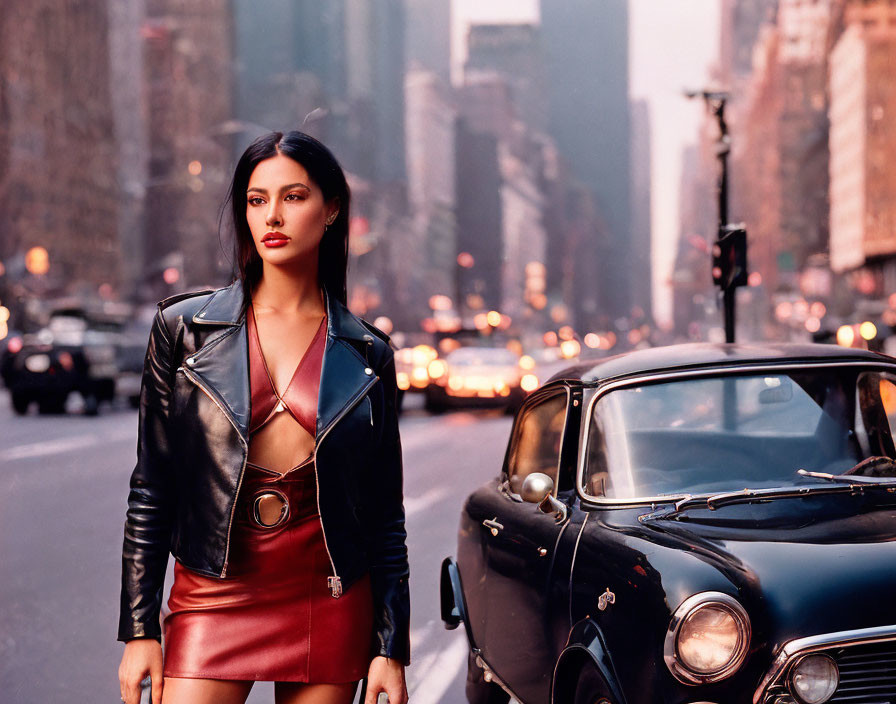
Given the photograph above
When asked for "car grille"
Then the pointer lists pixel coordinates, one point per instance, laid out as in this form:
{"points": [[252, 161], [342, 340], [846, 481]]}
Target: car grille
{"points": [[867, 675]]}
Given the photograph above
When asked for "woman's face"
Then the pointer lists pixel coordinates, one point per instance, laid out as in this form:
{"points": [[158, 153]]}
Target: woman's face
{"points": [[286, 211]]}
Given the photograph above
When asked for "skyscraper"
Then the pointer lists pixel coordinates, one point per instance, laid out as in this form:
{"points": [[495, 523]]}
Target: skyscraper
{"points": [[586, 48], [333, 69], [187, 79], [427, 37], [641, 226], [514, 52], [375, 63]]}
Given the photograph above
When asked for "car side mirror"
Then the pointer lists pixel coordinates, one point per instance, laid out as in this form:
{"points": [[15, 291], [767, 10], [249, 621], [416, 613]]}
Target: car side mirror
{"points": [[538, 489]]}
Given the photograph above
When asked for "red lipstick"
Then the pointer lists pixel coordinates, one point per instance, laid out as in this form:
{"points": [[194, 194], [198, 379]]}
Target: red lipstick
{"points": [[274, 239]]}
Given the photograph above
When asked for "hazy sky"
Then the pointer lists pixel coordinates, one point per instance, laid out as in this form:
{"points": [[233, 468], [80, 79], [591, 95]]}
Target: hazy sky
{"points": [[672, 46]]}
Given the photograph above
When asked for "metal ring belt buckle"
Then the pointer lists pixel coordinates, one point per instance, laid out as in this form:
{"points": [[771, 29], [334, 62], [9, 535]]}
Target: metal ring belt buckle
{"points": [[270, 508]]}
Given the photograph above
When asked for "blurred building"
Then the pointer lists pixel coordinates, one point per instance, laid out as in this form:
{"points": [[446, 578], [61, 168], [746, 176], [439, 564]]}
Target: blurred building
{"points": [[479, 217], [375, 66], [491, 123], [577, 236], [694, 309], [290, 68], [757, 185], [779, 126], [543, 237], [863, 141], [803, 58], [523, 236], [429, 249], [60, 148], [427, 39], [741, 23], [333, 69], [487, 115], [641, 289], [587, 73], [514, 52], [187, 50], [130, 116]]}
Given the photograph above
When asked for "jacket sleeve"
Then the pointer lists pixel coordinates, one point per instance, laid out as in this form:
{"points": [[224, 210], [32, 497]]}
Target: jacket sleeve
{"points": [[389, 555], [147, 528]]}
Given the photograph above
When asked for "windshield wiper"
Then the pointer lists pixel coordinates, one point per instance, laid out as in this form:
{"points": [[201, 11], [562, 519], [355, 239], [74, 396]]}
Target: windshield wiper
{"points": [[841, 484], [853, 479], [876, 469]]}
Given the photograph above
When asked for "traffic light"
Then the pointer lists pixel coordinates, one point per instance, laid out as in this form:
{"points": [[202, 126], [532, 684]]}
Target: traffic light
{"points": [[729, 258]]}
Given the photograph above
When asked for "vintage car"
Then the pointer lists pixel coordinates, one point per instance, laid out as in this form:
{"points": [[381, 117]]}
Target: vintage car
{"points": [[698, 524]]}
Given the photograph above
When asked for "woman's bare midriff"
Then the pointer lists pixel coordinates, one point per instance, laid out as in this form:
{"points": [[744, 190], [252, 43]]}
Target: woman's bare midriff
{"points": [[281, 444]]}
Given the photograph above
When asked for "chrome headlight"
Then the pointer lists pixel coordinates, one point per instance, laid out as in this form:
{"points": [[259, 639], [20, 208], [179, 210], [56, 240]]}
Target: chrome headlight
{"points": [[814, 679], [708, 638]]}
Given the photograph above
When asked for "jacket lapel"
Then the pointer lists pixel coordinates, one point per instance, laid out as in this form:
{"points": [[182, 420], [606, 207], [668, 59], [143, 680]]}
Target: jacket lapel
{"points": [[222, 363], [345, 374]]}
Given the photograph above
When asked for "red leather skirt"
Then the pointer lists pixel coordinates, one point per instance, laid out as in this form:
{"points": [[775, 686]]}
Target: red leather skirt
{"points": [[272, 618]]}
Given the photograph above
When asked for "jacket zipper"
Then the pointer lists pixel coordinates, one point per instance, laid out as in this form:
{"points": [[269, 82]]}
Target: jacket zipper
{"points": [[195, 379], [334, 582]]}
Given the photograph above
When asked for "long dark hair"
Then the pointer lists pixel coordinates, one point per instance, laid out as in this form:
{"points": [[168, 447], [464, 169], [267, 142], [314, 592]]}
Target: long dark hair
{"points": [[325, 171]]}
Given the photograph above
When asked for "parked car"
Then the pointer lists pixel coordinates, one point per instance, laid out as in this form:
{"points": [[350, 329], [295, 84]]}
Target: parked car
{"points": [[478, 376], [700, 523]]}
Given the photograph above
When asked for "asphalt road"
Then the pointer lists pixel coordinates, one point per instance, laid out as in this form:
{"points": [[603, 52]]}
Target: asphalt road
{"points": [[63, 492]]}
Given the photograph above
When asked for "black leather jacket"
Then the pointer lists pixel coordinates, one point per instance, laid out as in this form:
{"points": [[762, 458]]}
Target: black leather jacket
{"points": [[192, 447]]}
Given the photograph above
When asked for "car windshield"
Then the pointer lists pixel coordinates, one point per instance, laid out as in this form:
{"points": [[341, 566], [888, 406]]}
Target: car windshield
{"points": [[727, 433]]}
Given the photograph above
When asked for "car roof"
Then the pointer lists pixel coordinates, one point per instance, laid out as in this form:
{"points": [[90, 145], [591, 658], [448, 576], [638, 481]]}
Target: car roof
{"points": [[708, 355]]}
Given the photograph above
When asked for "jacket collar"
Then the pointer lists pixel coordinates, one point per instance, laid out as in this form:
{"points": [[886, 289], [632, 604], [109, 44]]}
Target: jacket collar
{"points": [[224, 365], [226, 307]]}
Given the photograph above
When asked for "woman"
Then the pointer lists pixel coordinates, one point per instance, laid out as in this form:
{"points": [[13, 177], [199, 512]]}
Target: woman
{"points": [[269, 464]]}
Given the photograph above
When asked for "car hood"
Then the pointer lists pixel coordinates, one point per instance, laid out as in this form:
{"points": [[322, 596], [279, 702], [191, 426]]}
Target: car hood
{"points": [[801, 567]]}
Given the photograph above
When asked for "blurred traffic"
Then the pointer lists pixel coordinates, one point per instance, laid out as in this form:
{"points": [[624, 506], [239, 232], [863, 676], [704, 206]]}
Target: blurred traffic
{"points": [[70, 354]]}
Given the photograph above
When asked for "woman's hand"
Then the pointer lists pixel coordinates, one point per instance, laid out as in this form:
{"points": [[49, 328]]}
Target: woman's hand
{"points": [[386, 675], [142, 656]]}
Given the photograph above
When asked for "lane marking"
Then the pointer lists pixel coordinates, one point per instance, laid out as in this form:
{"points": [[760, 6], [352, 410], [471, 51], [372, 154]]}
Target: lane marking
{"points": [[61, 445], [417, 638], [415, 504], [436, 671]]}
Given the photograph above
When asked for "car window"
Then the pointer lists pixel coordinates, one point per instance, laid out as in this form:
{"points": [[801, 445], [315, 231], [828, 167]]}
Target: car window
{"points": [[536, 442], [727, 433]]}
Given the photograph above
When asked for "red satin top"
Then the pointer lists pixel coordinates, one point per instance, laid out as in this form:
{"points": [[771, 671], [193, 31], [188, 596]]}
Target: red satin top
{"points": [[300, 396]]}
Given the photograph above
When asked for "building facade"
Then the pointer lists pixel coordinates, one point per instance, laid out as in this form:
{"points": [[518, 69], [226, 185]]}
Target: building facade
{"points": [[59, 149], [587, 73]]}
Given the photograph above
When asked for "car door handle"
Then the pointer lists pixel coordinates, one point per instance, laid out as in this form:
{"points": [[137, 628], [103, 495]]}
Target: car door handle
{"points": [[493, 525]]}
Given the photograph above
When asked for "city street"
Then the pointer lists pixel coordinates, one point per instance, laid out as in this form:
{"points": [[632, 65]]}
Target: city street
{"points": [[63, 489]]}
